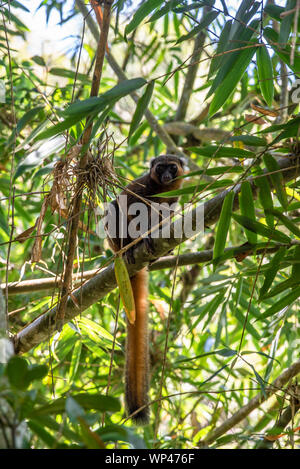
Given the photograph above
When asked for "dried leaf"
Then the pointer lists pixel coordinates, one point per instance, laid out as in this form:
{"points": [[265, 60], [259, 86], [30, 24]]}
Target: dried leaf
{"points": [[256, 119], [24, 236], [266, 112]]}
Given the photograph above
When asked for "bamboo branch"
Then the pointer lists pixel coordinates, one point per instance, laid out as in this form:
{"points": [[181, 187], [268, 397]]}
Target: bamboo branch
{"points": [[97, 288]]}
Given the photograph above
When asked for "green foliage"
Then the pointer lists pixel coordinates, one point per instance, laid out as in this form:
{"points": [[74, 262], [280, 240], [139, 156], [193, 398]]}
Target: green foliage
{"points": [[233, 324], [265, 73], [79, 410], [223, 225], [141, 108], [247, 208]]}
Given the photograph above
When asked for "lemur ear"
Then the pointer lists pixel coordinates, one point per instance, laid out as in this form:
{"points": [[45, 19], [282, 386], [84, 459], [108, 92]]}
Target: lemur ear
{"points": [[152, 161], [183, 163]]}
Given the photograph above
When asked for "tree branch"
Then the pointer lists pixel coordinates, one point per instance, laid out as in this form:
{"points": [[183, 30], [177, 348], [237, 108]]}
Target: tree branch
{"points": [[191, 74], [165, 262], [97, 288], [244, 411], [286, 417], [203, 135]]}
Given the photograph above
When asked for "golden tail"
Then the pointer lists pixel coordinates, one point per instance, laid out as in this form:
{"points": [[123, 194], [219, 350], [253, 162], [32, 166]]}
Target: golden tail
{"points": [[137, 352]]}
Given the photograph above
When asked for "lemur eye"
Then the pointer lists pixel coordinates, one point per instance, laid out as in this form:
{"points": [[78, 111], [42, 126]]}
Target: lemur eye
{"points": [[173, 168], [160, 168]]}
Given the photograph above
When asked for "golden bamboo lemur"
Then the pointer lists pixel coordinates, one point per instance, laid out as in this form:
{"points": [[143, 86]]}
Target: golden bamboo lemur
{"points": [[164, 171]]}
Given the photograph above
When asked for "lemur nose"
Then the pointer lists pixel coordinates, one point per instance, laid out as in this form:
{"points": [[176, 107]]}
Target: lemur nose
{"points": [[167, 177]]}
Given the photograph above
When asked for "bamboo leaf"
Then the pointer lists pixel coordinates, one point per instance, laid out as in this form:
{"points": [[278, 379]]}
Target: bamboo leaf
{"points": [[229, 58], [265, 197], [92, 106], [272, 271], [86, 106], [215, 171], [43, 434], [62, 72], [98, 103], [223, 225], [292, 123], [56, 428], [214, 151], [222, 46], [192, 6], [125, 288], [135, 137], [287, 300], [86, 400], [247, 208], [144, 10], [94, 330], [16, 370], [292, 131], [261, 229], [276, 178], [60, 127], [260, 381], [141, 107], [206, 21], [251, 140], [296, 266], [279, 288], [285, 221], [286, 23], [201, 187], [221, 324], [76, 354], [265, 74], [214, 374], [168, 6], [232, 78], [27, 117], [242, 16], [249, 327], [283, 53], [12, 18], [274, 11]]}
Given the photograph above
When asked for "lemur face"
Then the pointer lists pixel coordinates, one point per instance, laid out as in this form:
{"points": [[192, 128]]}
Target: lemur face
{"points": [[164, 169]]}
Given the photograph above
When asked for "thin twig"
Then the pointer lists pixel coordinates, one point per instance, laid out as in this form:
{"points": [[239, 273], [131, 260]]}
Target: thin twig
{"points": [[77, 201]]}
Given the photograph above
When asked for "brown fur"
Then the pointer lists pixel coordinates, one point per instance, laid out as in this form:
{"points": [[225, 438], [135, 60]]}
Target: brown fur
{"points": [[137, 344], [137, 351]]}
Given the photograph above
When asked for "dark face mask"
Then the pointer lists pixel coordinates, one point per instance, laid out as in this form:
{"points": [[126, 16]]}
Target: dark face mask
{"points": [[166, 173]]}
